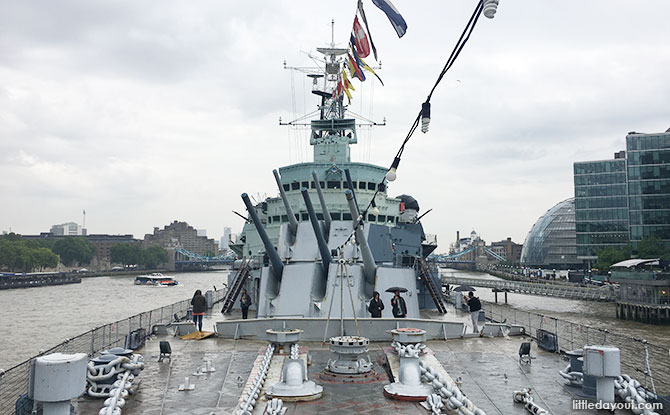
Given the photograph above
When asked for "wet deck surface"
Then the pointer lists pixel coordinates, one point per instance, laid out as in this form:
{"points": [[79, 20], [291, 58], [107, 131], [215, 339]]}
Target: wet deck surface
{"points": [[488, 368]]}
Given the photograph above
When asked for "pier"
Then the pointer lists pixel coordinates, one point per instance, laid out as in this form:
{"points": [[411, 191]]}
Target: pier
{"points": [[36, 280], [647, 301], [537, 288], [645, 313]]}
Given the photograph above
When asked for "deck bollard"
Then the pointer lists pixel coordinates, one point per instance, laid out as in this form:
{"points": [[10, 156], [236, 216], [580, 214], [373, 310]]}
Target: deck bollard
{"points": [[208, 367], [187, 386]]}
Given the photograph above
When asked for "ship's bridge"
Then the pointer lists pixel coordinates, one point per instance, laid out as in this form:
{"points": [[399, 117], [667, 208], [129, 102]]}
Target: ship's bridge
{"points": [[331, 140], [366, 178]]}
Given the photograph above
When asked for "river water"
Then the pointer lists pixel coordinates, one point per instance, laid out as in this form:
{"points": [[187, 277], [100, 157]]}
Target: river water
{"points": [[591, 313], [34, 319]]}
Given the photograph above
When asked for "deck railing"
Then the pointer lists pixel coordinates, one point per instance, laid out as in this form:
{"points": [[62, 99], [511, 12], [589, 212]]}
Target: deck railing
{"points": [[14, 381], [573, 336], [538, 288]]}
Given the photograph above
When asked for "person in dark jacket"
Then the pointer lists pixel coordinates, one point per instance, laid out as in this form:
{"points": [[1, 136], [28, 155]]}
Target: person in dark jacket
{"points": [[475, 306], [245, 302], [376, 306], [199, 307], [399, 306]]}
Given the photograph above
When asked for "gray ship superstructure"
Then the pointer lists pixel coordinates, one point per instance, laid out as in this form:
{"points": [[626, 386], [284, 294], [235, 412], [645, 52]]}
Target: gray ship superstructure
{"points": [[332, 217]]}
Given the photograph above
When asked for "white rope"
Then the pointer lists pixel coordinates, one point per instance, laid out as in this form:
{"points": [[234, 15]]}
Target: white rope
{"points": [[646, 361]]}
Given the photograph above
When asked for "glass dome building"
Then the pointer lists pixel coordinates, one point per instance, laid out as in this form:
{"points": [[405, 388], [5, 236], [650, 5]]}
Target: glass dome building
{"points": [[552, 241]]}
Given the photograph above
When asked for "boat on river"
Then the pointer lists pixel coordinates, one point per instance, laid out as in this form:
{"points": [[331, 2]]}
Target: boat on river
{"points": [[156, 279]]}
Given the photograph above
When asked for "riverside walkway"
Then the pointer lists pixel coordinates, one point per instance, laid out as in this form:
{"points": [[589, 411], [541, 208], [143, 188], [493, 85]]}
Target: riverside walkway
{"points": [[539, 288]]}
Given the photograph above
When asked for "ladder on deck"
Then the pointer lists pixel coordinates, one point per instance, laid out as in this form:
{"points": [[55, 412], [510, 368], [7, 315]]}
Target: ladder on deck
{"points": [[238, 283], [427, 278]]}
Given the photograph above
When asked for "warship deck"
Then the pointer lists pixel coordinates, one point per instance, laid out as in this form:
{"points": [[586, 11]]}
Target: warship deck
{"points": [[487, 367]]}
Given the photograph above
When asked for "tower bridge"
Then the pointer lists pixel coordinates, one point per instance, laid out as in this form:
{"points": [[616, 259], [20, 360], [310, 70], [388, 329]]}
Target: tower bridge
{"points": [[476, 257], [182, 259]]}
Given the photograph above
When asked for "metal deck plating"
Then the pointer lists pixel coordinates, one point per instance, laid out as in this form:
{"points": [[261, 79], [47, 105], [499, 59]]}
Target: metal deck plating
{"points": [[487, 369]]}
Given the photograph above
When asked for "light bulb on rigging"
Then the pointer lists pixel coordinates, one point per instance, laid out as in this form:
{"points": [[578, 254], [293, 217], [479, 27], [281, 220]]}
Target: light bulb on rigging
{"points": [[392, 173], [425, 117]]}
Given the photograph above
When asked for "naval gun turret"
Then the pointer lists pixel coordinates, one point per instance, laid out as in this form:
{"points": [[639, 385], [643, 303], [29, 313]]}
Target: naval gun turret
{"points": [[324, 207], [292, 222], [320, 239], [369, 266], [277, 266]]}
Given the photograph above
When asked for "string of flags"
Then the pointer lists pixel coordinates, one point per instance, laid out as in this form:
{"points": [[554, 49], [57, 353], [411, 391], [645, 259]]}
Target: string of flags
{"points": [[361, 45]]}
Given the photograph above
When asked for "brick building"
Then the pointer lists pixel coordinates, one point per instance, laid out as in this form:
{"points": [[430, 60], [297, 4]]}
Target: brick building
{"points": [[181, 234], [507, 249]]}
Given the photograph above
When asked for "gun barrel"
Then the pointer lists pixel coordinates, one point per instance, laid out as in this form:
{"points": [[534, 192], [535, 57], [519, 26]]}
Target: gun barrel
{"points": [[321, 241], [322, 200], [277, 265], [369, 266], [292, 222]]}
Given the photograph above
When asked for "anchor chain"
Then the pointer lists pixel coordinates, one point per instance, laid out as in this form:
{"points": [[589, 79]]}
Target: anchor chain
{"points": [[631, 391], [249, 402], [435, 402], [294, 351], [98, 377], [523, 396], [275, 407], [408, 350], [575, 378], [449, 393]]}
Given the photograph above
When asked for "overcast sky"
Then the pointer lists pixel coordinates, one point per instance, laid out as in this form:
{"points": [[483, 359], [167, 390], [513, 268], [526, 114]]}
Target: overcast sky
{"points": [[147, 112]]}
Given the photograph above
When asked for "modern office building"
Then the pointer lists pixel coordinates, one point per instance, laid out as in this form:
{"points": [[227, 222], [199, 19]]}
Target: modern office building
{"points": [[225, 239], [601, 206], [551, 241], [648, 158], [67, 229], [619, 202]]}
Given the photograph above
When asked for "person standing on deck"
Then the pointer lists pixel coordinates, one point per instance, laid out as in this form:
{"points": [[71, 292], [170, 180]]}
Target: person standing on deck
{"points": [[199, 307], [376, 306], [399, 306], [475, 306], [245, 302]]}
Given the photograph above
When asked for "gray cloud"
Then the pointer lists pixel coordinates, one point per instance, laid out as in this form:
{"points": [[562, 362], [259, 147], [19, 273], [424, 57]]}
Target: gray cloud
{"points": [[143, 114]]}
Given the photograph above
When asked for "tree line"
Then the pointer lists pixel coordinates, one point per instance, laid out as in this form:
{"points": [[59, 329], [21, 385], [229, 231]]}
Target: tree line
{"points": [[133, 254], [21, 255], [27, 255], [648, 248]]}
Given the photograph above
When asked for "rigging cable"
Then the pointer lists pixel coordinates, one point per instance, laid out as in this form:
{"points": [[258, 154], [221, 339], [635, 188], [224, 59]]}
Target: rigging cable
{"points": [[425, 110]]}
